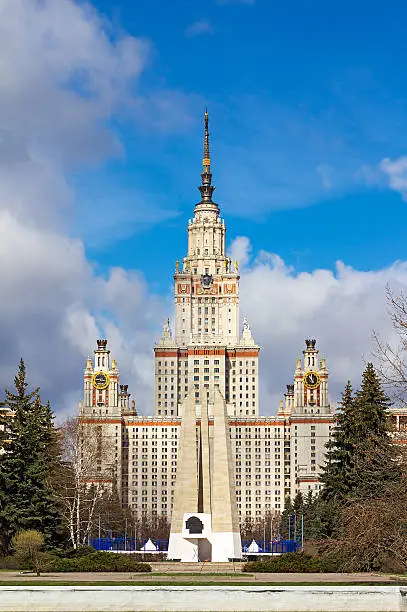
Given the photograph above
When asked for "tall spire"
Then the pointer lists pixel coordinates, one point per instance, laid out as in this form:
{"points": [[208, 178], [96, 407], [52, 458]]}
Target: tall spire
{"points": [[206, 188], [206, 162]]}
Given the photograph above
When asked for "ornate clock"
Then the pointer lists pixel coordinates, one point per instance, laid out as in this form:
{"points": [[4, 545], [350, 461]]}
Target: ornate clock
{"points": [[100, 380], [312, 380]]}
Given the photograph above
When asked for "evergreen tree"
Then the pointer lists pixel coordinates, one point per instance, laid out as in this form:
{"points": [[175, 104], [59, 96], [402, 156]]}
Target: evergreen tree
{"points": [[360, 458], [3, 425], [375, 456], [321, 517], [286, 518], [298, 503], [26, 499], [338, 471]]}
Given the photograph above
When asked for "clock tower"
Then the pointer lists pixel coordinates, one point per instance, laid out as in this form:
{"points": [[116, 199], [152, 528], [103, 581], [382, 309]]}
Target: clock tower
{"points": [[311, 418], [311, 382], [207, 350]]}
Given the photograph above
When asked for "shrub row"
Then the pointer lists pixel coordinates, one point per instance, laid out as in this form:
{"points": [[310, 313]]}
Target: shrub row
{"points": [[291, 562], [97, 562]]}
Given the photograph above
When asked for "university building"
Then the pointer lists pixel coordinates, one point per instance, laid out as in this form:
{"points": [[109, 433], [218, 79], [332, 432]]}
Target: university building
{"points": [[209, 350]]}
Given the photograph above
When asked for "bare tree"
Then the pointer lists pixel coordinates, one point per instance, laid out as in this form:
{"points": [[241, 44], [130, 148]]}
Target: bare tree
{"points": [[392, 357], [79, 488], [266, 527], [372, 531], [148, 525]]}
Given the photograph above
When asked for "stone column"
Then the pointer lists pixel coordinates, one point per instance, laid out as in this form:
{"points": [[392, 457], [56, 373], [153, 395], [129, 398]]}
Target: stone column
{"points": [[186, 484], [226, 542]]}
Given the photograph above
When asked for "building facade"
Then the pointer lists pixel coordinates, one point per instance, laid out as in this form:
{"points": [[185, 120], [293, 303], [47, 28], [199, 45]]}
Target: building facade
{"points": [[208, 351]]}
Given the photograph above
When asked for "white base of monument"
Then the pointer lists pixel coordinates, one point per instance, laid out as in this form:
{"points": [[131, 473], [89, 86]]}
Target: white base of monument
{"points": [[226, 547], [198, 542], [182, 549]]}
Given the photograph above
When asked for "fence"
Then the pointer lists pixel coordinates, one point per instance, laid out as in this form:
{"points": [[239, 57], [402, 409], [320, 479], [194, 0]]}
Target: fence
{"points": [[151, 545], [259, 547], [123, 543]]}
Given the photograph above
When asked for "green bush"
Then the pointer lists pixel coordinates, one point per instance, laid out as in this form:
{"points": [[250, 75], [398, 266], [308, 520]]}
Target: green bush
{"points": [[76, 553], [291, 562], [99, 562], [10, 562]]}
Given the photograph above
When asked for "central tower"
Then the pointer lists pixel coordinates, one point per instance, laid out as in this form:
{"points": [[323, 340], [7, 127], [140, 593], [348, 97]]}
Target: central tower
{"points": [[206, 351], [211, 315]]}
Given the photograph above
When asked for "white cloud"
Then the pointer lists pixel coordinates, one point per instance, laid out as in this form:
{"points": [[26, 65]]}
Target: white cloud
{"points": [[65, 72], [338, 308], [54, 306], [396, 171], [240, 250], [201, 26], [326, 172]]}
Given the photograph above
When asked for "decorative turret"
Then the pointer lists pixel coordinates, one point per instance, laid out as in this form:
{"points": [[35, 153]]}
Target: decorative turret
{"points": [[166, 336], [289, 398], [247, 338], [102, 356], [124, 397], [310, 354]]}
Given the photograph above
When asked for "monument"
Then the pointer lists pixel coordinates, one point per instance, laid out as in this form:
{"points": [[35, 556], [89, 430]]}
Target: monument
{"points": [[204, 523]]}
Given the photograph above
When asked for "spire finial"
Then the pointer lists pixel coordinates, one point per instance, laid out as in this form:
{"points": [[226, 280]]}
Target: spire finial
{"points": [[206, 188]]}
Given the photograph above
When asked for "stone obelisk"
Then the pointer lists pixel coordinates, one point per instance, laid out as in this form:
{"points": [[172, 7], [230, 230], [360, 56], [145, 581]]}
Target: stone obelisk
{"points": [[204, 524], [186, 486], [226, 542]]}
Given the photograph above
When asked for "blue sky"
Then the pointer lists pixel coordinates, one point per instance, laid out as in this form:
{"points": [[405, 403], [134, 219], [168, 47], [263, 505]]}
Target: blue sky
{"points": [[101, 121], [305, 100]]}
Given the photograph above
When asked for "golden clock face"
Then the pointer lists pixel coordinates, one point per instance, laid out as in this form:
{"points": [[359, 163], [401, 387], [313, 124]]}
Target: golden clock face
{"points": [[312, 380], [100, 380]]}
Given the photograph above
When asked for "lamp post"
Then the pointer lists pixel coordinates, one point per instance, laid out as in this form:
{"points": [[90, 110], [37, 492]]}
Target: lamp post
{"points": [[295, 525], [271, 535], [289, 526], [264, 535]]}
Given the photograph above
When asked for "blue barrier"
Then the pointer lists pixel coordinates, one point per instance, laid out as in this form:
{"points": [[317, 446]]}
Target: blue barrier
{"points": [[275, 547], [129, 544], [123, 543]]}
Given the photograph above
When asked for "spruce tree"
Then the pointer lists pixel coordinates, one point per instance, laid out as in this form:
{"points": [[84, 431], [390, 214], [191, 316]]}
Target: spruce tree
{"points": [[4, 422], [26, 499], [285, 521], [375, 456], [361, 460], [338, 472]]}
